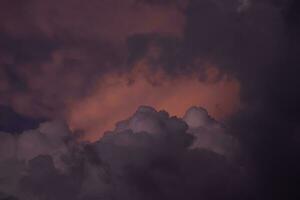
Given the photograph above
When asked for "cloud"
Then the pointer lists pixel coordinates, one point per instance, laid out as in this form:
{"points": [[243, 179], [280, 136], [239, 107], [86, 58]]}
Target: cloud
{"points": [[244, 5], [117, 95], [49, 139], [209, 133], [148, 155], [60, 63], [51, 143], [44, 180], [58, 54], [60, 48], [260, 46], [60, 19], [10, 121]]}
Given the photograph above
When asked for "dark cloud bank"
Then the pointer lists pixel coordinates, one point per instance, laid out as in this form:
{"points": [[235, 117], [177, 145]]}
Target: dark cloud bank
{"points": [[148, 156], [152, 155]]}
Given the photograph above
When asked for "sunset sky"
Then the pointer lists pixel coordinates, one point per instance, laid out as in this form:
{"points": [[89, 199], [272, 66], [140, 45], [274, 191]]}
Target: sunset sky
{"points": [[149, 99]]}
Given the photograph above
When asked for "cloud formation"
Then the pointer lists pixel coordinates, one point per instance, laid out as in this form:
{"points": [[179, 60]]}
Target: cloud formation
{"points": [[117, 95], [149, 155], [54, 54], [61, 60]]}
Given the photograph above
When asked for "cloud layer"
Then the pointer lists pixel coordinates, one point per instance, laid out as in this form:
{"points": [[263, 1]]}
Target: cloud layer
{"points": [[54, 54], [65, 59], [151, 155]]}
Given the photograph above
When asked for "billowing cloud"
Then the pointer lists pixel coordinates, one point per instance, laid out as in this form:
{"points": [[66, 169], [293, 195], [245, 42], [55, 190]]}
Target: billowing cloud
{"points": [[54, 54], [208, 132], [149, 155], [49, 139]]}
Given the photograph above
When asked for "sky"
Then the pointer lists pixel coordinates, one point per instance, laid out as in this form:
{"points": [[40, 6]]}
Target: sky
{"points": [[149, 99]]}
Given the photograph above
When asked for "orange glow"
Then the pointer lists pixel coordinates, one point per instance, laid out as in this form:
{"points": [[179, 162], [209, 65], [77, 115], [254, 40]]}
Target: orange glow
{"points": [[116, 98]]}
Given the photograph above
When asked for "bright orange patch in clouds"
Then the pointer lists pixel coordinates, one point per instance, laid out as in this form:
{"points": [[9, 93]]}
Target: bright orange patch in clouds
{"points": [[118, 96]]}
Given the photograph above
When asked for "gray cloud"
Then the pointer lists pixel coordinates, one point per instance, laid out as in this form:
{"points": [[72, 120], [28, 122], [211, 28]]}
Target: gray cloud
{"points": [[257, 42], [148, 156], [209, 133]]}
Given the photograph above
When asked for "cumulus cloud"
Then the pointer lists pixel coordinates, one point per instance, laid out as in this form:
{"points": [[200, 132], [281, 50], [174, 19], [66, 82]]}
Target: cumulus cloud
{"points": [[49, 139], [50, 145], [150, 155], [209, 133], [54, 52]]}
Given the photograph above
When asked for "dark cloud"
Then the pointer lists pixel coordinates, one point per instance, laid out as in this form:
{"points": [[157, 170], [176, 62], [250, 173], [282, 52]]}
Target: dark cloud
{"points": [[10, 121], [259, 44], [269, 70], [56, 51], [159, 50], [247, 41], [148, 156], [53, 53], [43, 180], [209, 133]]}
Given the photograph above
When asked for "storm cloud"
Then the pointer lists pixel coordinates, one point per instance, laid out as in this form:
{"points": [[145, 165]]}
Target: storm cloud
{"points": [[148, 156], [92, 64]]}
